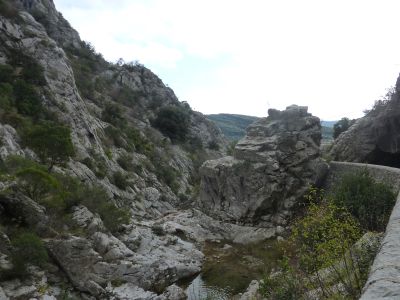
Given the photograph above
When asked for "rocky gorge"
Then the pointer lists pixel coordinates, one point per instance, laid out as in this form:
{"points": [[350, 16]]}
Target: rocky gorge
{"points": [[147, 170], [141, 183]]}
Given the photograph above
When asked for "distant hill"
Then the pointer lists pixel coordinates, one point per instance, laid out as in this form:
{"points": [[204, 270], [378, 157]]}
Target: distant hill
{"points": [[234, 126], [327, 133], [327, 130], [328, 123]]}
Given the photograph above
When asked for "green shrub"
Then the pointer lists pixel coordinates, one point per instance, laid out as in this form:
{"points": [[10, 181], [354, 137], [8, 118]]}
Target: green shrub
{"points": [[51, 142], [6, 96], [27, 249], [231, 148], [213, 145], [115, 135], [126, 96], [324, 235], [168, 175], [286, 284], [32, 71], [113, 114], [113, 217], [327, 258], [88, 162], [20, 123], [125, 161], [119, 180], [86, 63], [6, 73], [193, 144], [71, 192], [173, 121], [137, 142], [98, 164], [97, 200], [325, 255], [35, 183], [368, 201], [108, 153], [15, 163], [83, 79], [27, 99]]}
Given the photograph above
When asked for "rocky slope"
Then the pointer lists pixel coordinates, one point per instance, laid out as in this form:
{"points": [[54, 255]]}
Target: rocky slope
{"points": [[272, 167], [110, 111], [375, 137], [99, 169]]}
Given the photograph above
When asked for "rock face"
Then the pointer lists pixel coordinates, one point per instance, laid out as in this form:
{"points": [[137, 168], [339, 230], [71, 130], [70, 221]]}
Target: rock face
{"points": [[374, 138], [144, 260], [139, 262], [272, 167]]}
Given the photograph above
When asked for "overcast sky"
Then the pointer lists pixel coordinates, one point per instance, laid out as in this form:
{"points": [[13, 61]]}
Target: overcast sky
{"points": [[245, 56]]}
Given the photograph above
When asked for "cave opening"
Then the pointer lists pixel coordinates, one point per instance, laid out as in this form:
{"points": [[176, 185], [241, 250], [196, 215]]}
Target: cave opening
{"points": [[379, 157]]}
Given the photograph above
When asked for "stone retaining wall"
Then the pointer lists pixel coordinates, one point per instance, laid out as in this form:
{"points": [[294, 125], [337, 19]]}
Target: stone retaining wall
{"points": [[384, 278]]}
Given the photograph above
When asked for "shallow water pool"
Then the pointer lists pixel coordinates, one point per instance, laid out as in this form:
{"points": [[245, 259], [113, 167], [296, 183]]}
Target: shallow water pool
{"points": [[229, 268]]}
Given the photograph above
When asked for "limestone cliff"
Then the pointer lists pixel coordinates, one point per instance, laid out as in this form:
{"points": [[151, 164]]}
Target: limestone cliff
{"points": [[110, 111], [375, 137], [272, 167]]}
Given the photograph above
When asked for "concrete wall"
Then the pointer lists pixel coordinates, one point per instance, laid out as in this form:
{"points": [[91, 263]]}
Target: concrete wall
{"points": [[384, 277]]}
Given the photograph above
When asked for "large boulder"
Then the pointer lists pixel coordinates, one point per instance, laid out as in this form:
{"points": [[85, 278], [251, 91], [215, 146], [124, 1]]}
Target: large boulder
{"points": [[272, 168], [374, 138], [146, 261]]}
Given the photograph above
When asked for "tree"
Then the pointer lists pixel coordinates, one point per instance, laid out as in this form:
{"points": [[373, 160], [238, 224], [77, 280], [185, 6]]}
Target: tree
{"points": [[173, 121], [51, 142], [36, 183], [28, 249], [341, 126]]}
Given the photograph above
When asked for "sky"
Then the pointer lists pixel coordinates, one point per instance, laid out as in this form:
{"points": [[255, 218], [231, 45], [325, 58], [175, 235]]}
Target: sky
{"points": [[245, 56]]}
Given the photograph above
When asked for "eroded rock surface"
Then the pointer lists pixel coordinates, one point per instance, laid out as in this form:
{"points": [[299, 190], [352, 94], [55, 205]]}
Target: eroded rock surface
{"points": [[374, 138], [272, 167]]}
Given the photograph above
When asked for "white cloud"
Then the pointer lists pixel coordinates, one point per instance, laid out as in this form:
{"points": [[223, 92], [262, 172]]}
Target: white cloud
{"points": [[336, 57]]}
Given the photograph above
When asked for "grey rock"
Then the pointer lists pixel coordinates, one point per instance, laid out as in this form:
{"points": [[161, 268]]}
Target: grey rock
{"points": [[78, 260], [56, 26], [252, 292], [5, 244], [14, 290], [196, 226], [86, 219], [272, 167], [373, 138], [5, 263], [9, 142], [174, 292], [155, 263], [110, 247], [18, 205], [129, 291], [3, 295]]}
